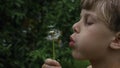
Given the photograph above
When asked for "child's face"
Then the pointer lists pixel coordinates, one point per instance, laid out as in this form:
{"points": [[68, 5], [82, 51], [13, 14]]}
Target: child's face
{"points": [[91, 37]]}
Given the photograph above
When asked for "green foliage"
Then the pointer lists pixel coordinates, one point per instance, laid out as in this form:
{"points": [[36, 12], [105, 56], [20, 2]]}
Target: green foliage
{"points": [[23, 28]]}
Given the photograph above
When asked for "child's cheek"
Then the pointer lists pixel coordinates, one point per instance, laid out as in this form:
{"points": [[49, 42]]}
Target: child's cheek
{"points": [[82, 47], [86, 41], [83, 42]]}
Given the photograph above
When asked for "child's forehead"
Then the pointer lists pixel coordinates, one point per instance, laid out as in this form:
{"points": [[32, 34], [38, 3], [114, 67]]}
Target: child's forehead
{"points": [[91, 14], [88, 13]]}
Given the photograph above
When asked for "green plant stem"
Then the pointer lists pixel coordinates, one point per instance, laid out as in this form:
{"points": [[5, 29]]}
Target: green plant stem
{"points": [[53, 49]]}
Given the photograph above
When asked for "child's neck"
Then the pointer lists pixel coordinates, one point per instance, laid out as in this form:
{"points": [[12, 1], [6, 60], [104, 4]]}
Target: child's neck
{"points": [[109, 63]]}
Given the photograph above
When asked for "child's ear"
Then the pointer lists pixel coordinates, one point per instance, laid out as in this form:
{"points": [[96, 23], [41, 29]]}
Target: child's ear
{"points": [[115, 43]]}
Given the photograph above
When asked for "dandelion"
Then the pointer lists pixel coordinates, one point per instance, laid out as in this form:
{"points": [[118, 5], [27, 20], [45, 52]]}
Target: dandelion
{"points": [[52, 36]]}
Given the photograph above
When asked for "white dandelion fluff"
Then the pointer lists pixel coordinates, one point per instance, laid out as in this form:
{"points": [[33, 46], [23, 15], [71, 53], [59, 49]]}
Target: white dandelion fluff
{"points": [[53, 34]]}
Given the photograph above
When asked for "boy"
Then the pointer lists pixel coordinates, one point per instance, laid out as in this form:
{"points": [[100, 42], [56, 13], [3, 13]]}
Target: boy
{"points": [[96, 36]]}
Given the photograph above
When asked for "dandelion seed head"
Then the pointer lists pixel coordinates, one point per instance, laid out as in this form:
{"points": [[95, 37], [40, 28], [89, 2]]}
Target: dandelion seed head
{"points": [[53, 34]]}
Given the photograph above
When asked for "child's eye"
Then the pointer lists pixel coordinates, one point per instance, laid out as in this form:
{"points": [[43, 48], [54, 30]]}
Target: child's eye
{"points": [[88, 23]]}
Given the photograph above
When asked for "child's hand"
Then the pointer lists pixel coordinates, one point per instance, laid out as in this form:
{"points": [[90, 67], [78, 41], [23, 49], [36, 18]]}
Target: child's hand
{"points": [[49, 63]]}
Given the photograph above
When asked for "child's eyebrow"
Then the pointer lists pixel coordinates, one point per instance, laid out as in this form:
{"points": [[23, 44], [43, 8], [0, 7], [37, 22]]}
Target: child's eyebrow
{"points": [[87, 13]]}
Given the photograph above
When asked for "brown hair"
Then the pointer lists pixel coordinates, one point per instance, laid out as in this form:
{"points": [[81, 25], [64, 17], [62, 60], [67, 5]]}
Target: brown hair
{"points": [[108, 10]]}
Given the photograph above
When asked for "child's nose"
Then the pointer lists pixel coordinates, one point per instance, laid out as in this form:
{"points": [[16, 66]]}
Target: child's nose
{"points": [[76, 27]]}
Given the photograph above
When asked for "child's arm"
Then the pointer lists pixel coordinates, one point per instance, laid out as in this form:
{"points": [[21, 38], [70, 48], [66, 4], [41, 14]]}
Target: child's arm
{"points": [[50, 63]]}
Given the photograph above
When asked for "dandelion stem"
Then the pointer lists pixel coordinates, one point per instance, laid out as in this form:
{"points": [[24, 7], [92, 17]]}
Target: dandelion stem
{"points": [[53, 49]]}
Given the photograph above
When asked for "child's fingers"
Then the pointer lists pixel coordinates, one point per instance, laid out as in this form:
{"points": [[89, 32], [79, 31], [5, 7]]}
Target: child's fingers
{"points": [[48, 66], [89, 66], [52, 62]]}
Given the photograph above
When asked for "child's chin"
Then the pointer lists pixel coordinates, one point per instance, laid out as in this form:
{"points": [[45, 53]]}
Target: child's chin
{"points": [[78, 56]]}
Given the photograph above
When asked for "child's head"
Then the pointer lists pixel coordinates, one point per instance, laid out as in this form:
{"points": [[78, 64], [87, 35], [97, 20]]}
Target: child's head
{"points": [[97, 34], [108, 11]]}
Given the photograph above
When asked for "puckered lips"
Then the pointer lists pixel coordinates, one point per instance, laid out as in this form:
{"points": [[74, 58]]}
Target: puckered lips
{"points": [[72, 42]]}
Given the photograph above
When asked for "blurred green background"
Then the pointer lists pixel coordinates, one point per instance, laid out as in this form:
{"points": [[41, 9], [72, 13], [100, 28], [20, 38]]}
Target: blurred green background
{"points": [[24, 26]]}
